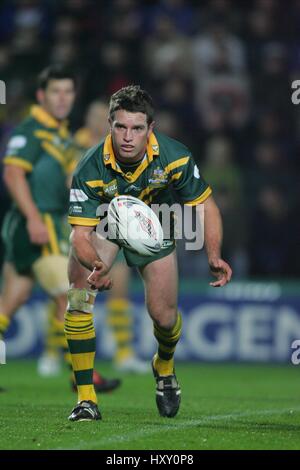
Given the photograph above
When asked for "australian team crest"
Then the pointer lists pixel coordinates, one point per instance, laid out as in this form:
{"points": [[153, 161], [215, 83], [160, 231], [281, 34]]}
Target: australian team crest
{"points": [[158, 178]]}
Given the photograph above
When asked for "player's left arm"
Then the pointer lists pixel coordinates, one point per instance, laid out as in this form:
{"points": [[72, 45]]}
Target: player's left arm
{"points": [[213, 235], [194, 191]]}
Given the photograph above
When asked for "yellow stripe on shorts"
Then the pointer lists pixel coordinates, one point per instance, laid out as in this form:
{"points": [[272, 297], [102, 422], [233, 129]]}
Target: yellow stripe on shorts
{"points": [[52, 234]]}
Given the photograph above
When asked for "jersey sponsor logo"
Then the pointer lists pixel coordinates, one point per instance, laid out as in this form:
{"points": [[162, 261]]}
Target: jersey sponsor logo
{"points": [[196, 172], [111, 188], [77, 195], [75, 210], [132, 187], [17, 142]]}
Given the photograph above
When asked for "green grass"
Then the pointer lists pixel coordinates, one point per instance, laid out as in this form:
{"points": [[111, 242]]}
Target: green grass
{"points": [[223, 407]]}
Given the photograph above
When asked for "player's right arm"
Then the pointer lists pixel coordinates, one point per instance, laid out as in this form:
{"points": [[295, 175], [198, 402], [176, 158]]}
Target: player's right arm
{"points": [[83, 216], [22, 153], [81, 239]]}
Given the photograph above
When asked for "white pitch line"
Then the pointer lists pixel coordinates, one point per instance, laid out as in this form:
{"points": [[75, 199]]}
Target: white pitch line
{"points": [[121, 438]]}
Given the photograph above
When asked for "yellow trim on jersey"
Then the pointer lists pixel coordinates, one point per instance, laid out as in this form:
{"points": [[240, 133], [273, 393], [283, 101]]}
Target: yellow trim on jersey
{"points": [[41, 115], [72, 167], [42, 134], [176, 164], [176, 176], [145, 192], [152, 147], [55, 153], [131, 178], [63, 130], [44, 118], [45, 250], [52, 234], [200, 199], [110, 159], [87, 222], [17, 161], [95, 183]]}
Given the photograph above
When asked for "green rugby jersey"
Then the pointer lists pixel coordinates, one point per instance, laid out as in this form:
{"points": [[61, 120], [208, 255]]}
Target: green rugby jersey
{"points": [[98, 178], [43, 148]]}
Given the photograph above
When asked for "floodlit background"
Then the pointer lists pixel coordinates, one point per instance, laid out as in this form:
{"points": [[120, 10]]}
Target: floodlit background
{"points": [[220, 73]]}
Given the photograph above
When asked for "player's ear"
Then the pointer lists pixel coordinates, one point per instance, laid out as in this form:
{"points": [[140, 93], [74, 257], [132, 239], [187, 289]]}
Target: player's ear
{"points": [[40, 95], [151, 127]]}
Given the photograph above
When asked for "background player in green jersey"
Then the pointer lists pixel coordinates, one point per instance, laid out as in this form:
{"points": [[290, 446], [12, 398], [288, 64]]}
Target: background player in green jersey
{"points": [[39, 160], [137, 161]]}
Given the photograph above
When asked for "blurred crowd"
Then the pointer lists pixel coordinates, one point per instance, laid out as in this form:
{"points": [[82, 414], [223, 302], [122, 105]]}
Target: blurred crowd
{"points": [[220, 74]]}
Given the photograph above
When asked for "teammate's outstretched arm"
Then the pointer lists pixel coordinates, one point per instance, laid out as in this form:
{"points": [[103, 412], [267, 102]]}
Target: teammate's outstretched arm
{"points": [[213, 235]]}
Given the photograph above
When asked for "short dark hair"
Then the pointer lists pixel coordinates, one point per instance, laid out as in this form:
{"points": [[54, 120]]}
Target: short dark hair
{"points": [[54, 72], [134, 99]]}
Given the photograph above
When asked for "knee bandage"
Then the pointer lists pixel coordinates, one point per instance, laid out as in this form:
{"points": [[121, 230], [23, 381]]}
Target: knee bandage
{"points": [[81, 300]]}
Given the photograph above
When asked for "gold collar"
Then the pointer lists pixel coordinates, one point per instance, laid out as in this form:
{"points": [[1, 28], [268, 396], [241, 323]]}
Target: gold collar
{"points": [[43, 117], [109, 156]]}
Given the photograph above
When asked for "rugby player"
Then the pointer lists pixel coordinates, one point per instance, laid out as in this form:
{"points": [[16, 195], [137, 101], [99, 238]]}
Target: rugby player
{"points": [[39, 160], [135, 160]]}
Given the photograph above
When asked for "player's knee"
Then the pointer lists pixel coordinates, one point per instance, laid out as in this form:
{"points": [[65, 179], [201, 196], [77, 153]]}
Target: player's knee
{"points": [[165, 323], [81, 300], [164, 317]]}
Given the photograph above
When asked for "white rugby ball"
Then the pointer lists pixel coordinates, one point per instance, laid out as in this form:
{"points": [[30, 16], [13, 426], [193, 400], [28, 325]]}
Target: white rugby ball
{"points": [[134, 225]]}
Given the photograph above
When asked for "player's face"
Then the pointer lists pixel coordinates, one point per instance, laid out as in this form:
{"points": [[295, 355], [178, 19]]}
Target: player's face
{"points": [[58, 97], [130, 133], [96, 119]]}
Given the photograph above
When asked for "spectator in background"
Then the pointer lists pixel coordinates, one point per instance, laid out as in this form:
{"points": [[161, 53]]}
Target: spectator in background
{"points": [[175, 96], [108, 71], [221, 83], [227, 183], [270, 235], [179, 12], [167, 52], [269, 167], [270, 84]]}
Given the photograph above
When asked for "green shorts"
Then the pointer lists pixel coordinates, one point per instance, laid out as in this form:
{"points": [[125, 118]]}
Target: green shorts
{"points": [[136, 260], [18, 248]]}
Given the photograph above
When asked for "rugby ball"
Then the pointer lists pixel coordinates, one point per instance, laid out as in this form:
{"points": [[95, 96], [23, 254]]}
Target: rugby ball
{"points": [[134, 225]]}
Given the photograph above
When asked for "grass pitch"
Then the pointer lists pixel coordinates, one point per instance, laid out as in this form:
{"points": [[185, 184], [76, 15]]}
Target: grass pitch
{"points": [[223, 407]]}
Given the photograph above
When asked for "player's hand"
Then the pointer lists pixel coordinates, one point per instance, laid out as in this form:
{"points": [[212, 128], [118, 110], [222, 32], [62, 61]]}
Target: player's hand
{"points": [[221, 270], [98, 278], [37, 230]]}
